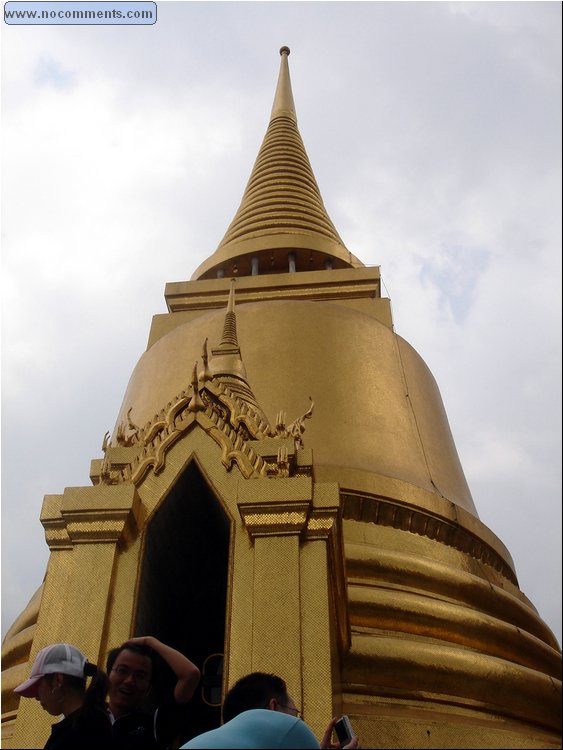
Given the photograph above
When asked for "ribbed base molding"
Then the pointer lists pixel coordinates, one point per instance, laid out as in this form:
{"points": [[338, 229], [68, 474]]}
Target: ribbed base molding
{"points": [[408, 725]]}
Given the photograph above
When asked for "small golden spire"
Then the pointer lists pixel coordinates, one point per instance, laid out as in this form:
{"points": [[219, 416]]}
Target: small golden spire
{"points": [[226, 357], [229, 340], [226, 365], [283, 99]]}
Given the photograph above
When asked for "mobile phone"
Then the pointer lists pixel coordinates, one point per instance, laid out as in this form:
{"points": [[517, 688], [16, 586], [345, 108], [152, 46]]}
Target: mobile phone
{"points": [[343, 730]]}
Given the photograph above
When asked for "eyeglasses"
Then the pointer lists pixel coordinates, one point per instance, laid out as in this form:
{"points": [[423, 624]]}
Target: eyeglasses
{"points": [[125, 672]]}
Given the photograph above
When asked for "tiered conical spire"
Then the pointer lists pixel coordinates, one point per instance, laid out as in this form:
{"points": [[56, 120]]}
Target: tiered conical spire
{"points": [[226, 365], [281, 212], [226, 357]]}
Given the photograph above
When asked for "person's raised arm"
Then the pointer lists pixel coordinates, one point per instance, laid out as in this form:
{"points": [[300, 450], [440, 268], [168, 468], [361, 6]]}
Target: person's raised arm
{"points": [[187, 673]]}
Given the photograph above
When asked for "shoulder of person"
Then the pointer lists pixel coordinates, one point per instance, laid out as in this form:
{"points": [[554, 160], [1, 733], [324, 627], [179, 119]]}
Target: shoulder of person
{"points": [[275, 729]]}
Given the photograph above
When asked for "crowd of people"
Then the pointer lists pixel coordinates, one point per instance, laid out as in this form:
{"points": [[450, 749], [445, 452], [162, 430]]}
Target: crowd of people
{"points": [[107, 709]]}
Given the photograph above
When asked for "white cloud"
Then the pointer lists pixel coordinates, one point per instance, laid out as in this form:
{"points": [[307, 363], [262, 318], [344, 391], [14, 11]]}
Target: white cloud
{"points": [[434, 133]]}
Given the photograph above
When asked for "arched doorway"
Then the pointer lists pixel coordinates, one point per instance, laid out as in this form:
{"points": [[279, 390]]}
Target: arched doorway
{"points": [[183, 588]]}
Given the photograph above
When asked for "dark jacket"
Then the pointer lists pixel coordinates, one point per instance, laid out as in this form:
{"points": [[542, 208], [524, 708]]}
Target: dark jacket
{"points": [[143, 730], [87, 730]]}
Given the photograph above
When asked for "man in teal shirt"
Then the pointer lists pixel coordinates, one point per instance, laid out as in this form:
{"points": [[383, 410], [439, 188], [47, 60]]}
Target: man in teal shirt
{"points": [[258, 728], [258, 712]]}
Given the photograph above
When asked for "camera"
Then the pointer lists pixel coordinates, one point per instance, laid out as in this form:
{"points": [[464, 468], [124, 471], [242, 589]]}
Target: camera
{"points": [[343, 730]]}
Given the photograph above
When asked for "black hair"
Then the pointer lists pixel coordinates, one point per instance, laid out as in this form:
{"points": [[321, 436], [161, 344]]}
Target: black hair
{"points": [[95, 693], [253, 691], [136, 649]]}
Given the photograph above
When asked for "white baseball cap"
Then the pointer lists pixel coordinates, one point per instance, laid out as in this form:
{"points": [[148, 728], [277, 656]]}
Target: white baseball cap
{"points": [[59, 658]]}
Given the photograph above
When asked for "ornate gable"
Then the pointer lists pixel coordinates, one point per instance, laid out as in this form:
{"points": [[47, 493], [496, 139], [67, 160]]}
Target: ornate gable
{"points": [[220, 400]]}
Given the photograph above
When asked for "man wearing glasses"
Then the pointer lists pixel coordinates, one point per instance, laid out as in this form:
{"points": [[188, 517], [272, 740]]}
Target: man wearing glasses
{"points": [[258, 712], [130, 669]]}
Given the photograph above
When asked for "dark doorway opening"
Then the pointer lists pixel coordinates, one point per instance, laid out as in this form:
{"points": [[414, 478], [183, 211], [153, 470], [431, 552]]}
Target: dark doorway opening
{"points": [[183, 590]]}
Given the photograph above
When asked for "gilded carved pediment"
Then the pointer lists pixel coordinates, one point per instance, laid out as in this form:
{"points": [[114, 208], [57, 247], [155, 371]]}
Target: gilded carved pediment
{"points": [[220, 400]]}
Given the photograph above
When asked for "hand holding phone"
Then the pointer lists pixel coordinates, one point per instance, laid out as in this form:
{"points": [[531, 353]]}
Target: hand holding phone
{"points": [[344, 730]]}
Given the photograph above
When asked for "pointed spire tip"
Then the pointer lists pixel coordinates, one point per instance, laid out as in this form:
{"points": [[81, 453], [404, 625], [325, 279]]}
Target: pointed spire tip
{"points": [[283, 99]]}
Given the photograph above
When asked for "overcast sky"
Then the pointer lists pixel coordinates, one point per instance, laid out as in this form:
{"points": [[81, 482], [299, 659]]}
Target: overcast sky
{"points": [[434, 131]]}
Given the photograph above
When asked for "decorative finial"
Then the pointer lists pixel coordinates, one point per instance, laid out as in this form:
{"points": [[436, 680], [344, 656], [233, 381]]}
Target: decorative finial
{"points": [[283, 100], [196, 402]]}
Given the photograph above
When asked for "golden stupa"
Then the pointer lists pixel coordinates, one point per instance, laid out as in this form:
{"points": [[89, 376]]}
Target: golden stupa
{"points": [[282, 493]]}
